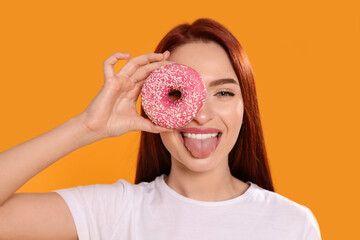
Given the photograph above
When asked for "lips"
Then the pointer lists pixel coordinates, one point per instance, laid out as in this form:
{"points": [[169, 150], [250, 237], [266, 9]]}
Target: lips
{"points": [[199, 131], [200, 142]]}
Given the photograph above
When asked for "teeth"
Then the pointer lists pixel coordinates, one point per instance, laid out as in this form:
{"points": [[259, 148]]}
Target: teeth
{"points": [[200, 136]]}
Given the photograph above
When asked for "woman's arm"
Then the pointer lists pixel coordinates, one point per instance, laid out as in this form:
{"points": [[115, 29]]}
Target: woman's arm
{"points": [[111, 113], [38, 215], [20, 163]]}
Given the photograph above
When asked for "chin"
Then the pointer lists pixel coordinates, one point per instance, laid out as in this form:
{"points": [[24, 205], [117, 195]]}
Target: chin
{"points": [[198, 165]]}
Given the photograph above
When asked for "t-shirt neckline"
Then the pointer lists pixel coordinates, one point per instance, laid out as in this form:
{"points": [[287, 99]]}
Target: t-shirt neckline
{"points": [[180, 197]]}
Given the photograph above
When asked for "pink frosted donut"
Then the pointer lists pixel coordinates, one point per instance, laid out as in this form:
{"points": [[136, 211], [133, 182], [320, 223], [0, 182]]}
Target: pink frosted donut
{"points": [[176, 78]]}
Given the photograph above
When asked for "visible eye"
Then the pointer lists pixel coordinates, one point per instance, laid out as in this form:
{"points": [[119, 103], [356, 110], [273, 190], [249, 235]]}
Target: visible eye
{"points": [[224, 93]]}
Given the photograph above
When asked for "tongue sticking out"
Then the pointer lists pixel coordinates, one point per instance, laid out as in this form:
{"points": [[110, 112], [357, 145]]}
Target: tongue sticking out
{"points": [[200, 148]]}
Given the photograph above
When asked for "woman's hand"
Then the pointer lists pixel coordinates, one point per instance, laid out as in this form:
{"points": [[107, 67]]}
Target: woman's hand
{"points": [[113, 111]]}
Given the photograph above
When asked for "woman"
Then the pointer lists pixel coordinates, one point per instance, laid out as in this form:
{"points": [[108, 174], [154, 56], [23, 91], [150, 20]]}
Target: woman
{"points": [[186, 188]]}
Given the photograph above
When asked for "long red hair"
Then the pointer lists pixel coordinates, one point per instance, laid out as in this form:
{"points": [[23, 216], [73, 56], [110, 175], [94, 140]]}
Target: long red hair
{"points": [[248, 158]]}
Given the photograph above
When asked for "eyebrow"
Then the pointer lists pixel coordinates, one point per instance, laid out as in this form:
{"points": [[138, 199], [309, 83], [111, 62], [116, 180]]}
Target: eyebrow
{"points": [[223, 81]]}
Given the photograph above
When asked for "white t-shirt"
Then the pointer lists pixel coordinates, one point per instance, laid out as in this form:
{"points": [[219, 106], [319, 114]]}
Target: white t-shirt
{"points": [[152, 210]]}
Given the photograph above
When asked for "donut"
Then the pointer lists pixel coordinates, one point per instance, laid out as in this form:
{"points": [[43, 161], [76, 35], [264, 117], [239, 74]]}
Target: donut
{"points": [[172, 95]]}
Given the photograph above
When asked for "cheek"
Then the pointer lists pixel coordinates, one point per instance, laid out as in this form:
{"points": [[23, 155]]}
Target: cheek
{"points": [[232, 114], [169, 141], [165, 138], [232, 117]]}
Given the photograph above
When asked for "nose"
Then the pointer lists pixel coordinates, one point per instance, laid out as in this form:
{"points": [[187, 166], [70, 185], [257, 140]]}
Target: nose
{"points": [[205, 114]]}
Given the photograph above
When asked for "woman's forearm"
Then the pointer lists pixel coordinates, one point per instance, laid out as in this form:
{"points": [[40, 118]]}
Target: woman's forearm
{"points": [[20, 163], [111, 113]]}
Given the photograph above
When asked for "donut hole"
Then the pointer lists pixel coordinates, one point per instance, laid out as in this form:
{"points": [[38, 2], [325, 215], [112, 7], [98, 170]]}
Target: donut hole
{"points": [[174, 95]]}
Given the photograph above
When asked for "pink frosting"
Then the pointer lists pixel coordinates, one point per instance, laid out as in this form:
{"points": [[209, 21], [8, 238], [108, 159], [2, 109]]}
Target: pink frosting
{"points": [[155, 95]]}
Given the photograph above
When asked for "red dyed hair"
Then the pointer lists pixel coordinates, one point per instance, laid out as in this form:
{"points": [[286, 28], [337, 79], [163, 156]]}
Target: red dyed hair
{"points": [[248, 158]]}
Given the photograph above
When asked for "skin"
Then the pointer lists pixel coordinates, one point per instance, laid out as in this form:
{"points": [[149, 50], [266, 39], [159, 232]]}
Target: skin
{"points": [[209, 178], [113, 113]]}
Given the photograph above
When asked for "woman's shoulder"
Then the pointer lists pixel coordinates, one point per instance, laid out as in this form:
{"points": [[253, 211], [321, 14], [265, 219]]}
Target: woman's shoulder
{"points": [[142, 187], [273, 203], [277, 201]]}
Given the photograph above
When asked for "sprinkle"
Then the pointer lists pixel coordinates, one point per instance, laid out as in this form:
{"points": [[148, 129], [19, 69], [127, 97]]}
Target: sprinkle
{"points": [[155, 95]]}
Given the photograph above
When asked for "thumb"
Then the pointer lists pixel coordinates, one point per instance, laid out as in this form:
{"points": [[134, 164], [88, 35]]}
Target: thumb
{"points": [[151, 127]]}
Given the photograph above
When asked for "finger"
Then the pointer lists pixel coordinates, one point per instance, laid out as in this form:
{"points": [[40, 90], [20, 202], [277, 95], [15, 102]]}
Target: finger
{"points": [[111, 61], [158, 129], [166, 54], [133, 64], [142, 73], [151, 127]]}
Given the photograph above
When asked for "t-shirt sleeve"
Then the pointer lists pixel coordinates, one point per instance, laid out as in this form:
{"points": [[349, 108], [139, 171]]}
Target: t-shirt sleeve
{"points": [[312, 229], [98, 208]]}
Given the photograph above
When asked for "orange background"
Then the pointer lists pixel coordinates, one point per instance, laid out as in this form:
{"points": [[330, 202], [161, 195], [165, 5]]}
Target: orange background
{"points": [[305, 57]]}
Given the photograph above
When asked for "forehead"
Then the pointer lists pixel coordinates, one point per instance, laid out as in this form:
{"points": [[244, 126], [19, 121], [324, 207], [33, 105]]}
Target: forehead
{"points": [[209, 59]]}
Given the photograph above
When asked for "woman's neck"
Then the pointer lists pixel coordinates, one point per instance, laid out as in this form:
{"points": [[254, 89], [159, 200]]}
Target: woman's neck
{"points": [[212, 186]]}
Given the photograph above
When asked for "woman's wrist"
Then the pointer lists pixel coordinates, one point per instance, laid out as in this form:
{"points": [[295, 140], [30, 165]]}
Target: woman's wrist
{"points": [[85, 135]]}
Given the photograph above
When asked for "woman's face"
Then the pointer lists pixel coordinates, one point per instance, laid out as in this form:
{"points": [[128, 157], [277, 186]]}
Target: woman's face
{"points": [[220, 115]]}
